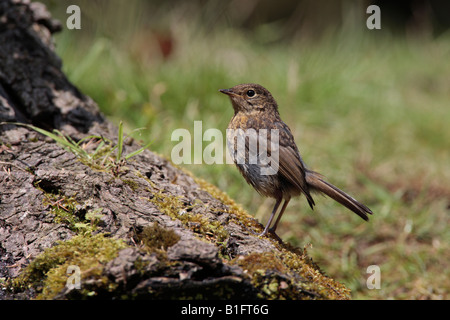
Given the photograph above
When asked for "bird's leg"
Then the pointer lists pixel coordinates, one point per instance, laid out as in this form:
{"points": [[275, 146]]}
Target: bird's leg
{"points": [[272, 230], [274, 211]]}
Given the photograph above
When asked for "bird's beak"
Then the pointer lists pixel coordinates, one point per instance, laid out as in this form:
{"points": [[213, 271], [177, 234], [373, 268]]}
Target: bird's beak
{"points": [[227, 91]]}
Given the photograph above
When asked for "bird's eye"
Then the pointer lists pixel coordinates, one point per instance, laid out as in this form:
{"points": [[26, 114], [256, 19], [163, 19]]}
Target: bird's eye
{"points": [[251, 93]]}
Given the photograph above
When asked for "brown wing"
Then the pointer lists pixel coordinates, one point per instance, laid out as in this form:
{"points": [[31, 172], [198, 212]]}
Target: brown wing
{"points": [[291, 166]]}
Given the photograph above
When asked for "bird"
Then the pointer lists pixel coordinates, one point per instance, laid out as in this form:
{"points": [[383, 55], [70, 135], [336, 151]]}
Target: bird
{"points": [[256, 119]]}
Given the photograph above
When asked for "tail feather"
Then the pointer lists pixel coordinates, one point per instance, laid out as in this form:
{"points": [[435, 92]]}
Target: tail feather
{"points": [[316, 183]]}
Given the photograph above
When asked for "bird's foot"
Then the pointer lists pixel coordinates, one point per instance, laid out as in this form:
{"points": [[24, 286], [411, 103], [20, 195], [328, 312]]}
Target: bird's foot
{"points": [[270, 231]]}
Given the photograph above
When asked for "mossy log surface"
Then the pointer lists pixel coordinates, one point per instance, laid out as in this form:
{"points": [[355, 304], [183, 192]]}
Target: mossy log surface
{"points": [[146, 229]]}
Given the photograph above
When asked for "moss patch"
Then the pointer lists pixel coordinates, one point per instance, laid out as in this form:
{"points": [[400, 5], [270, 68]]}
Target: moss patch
{"points": [[174, 207], [67, 211], [303, 265], [266, 270], [255, 262], [155, 237], [63, 208], [47, 273], [239, 215]]}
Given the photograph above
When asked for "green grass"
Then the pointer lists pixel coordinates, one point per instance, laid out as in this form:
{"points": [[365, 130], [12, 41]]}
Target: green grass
{"points": [[370, 113], [102, 157]]}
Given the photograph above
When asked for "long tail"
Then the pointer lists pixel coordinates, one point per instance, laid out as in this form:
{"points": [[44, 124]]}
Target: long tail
{"points": [[316, 183]]}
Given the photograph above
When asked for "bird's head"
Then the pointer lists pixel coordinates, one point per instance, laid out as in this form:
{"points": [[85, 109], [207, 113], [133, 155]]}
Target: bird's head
{"points": [[250, 97]]}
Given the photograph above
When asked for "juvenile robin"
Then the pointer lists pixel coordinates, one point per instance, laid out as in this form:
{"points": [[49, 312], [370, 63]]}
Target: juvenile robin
{"points": [[254, 110]]}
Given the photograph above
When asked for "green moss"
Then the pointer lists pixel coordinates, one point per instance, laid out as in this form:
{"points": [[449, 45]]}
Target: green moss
{"points": [[155, 237], [175, 208], [302, 264], [260, 261], [47, 273], [63, 209], [66, 210], [131, 183], [265, 270], [239, 215]]}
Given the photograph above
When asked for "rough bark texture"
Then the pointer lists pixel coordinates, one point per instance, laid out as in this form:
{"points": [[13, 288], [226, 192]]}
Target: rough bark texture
{"points": [[141, 229]]}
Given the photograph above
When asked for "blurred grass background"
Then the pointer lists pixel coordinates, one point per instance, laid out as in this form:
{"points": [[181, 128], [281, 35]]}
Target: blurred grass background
{"points": [[369, 109]]}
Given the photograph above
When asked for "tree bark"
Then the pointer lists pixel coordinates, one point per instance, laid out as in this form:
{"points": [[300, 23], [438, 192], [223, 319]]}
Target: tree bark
{"points": [[144, 228]]}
